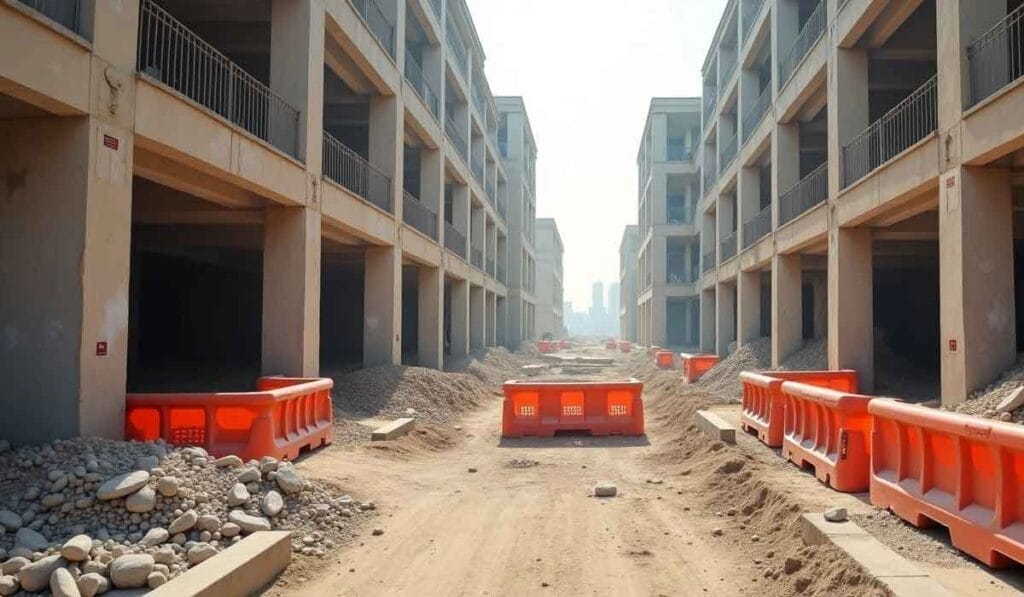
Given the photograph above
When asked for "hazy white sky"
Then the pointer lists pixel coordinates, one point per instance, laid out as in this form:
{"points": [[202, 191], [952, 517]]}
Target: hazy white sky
{"points": [[587, 70]]}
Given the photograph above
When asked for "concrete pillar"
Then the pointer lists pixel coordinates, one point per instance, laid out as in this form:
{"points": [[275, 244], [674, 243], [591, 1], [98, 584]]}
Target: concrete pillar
{"points": [[708, 306], [785, 165], [725, 311], [659, 320], [432, 182], [431, 317], [848, 112], [490, 320], [387, 147], [748, 197], [977, 310], [851, 318], [748, 291], [959, 23], [291, 291], [460, 318], [477, 227], [476, 317], [819, 287], [460, 211], [787, 306], [297, 71], [501, 320], [382, 307], [659, 137]]}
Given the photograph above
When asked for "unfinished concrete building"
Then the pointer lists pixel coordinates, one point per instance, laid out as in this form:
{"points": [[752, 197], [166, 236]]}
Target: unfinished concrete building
{"points": [[197, 193], [861, 159], [629, 255], [519, 155], [669, 233], [550, 276]]}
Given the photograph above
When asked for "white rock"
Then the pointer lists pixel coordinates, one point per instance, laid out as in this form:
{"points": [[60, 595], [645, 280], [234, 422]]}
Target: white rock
{"points": [[249, 475], [272, 503], [289, 479], [62, 584], [155, 536], [36, 576], [208, 522], [267, 464], [1012, 402], [8, 585], [93, 584], [605, 490], [76, 548], [142, 501], [184, 522], [14, 564], [10, 521], [231, 461], [164, 555], [122, 485], [156, 579], [230, 530], [836, 514], [200, 553], [247, 522], [167, 486], [238, 495], [131, 571], [147, 463], [26, 537]]}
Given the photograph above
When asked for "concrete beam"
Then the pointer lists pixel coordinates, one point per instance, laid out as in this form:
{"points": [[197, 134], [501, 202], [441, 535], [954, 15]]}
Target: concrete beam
{"points": [[245, 569]]}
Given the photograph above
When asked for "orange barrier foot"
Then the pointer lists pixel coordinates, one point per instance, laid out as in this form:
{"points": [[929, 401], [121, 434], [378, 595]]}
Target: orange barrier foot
{"points": [[542, 409], [281, 418], [762, 411], [696, 365], [665, 359]]}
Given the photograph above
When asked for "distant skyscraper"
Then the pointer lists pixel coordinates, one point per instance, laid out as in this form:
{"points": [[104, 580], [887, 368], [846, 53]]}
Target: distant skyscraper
{"points": [[612, 321], [597, 300]]}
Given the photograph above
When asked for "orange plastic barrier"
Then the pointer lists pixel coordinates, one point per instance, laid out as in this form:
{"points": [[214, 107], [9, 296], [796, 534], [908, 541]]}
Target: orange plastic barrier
{"points": [[600, 408], [696, 365], [625, 346], [611, 345], [546, 347], [564, 345], [665, 359], [828, 429], [653, 350], [960, 471], [762, 411], [279, 419]]}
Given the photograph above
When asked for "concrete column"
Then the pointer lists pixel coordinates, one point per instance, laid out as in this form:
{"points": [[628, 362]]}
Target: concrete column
{"points": [[977, 310], [785, 165], [477, 228], [819, 287], [387, 147], [851, 318], [748, 291], [297, 70], [708, 306], [748, 198], [431, 317], [291, 291], [501, 320], [959, 23], [848, 106], [477, 307], [725, 311], [432, 182], [491, 320], [382, 307], [460, 318], [659, 137], [460, 211], [659, 320], [787, 306]]}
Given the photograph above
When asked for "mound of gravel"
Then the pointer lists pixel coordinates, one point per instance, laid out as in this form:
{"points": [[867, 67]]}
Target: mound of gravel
{"points": [[983, 403], [96, 514], [723, 380], [397, 391], [812, 357]]}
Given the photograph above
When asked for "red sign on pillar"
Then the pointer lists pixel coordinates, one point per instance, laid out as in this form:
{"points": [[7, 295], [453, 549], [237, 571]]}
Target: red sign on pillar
{"points": [[952, 346], [101, 349]]}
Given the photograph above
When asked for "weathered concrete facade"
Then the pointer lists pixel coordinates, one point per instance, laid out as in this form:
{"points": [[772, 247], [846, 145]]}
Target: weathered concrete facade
{"points": [[550, 280], [629, 255], [300, 186], [669, 232], [860, 161]]}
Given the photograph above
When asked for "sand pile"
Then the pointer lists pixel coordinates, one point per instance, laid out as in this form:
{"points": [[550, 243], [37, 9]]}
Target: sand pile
{"points": [[983, 403], [723, 379]]}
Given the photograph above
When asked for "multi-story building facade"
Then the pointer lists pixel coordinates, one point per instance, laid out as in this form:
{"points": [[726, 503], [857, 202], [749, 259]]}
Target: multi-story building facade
{"points": [[281, 186], [519, 154], [669, 233], [860, 161], [628, 256], [550, 288]]}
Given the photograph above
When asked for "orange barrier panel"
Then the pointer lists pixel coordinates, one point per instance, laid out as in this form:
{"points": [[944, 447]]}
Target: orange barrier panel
{"points": [[625, 346], [279, 419], [611, 345], [762, 411], [963, 472], [828, 429], [564, 345], [696, 365], [600, 408], [545, 347], [665, 359]]}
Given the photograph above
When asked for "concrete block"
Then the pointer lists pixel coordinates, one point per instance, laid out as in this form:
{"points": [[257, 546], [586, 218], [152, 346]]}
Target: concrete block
{"points": [[900, 576], [243, 569], [532, 370], [715, 427], [1012, 402], [396, 428]]}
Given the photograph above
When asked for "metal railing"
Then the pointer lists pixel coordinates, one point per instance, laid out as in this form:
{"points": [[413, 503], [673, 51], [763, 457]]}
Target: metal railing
{"points": [[809, 34], [502, 274], [751, 17], [727, 76], [676, 276], [477, 166], [476, 257], [996, 59], [755, 114], [490, 267], [478, 101], [458, 48], [378, 23], [710, 101], [727, 248], [455, 136], [180, 59], [414, 74], [454, 240], [908, 122], [757, 227], [710, 172], [66, 13], [419, 216], [679, 152], [436, 6], [728, 153], [810, 191], [350, 170], [708, 261]]}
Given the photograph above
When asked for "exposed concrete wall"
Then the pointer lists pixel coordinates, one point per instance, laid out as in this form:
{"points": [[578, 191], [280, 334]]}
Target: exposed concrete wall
{"points": [[382, 307], [850, 318], [476, 317], [787, 307], [431, 317]]}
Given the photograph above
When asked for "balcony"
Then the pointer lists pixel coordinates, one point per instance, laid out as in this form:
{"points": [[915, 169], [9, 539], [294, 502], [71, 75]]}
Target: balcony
{"points": [[435, 6], [490, 267], [756, 112], [728, 153], [727, 249], [710, 102], [750, 17], [757, 227], [419, 216], [502, 274], [809, 34], [172, 54], [678, 277], [478, 101], [454, 240], [897, 130], [996, 59], [810, 191], [378, 23], [414, 75], [350, 170], [66, 13], [710, 172], [727, 72], [478, 168], [679, 152], [709, 261], [456, 137], [458, 50], [476, 257]]}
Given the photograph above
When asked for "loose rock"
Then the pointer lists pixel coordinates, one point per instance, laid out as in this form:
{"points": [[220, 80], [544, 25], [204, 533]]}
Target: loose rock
{"points": [[605, 490], [200, 553], [142, 501], [183, 523], [77, 548], [93, 584], [836, 514], [230, 461], [62, 584], [248, 522], [289, 480], [36, 576], [122, 485], [131, 571], [272, 503]]}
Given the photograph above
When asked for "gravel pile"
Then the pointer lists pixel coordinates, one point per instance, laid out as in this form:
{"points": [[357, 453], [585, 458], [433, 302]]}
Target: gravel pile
{"points": [[724, 378], [398, 391], [983, 403], [812, 357], [83, 516]]}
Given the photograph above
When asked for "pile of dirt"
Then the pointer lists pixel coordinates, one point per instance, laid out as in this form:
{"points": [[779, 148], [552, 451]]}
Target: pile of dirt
{"points": [[723, 380], [496, 366], [983, 403], [812, 357]]}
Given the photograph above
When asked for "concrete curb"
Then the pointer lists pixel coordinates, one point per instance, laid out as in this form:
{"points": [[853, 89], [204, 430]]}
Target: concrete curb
{"points": [[242, 569], [886, 566], [396, 428], [715, 427]]}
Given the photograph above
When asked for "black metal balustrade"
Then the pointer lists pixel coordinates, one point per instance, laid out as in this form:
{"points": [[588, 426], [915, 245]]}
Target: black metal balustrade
{"points": [[679, 152], [436, 6], [709, 261], [456, 137], [897, 130], [458, 48], [380, 26], [728, 152], [350, 170], [710, 101], [66, 13], [757, 227], [478, 168], [727, 73], [710, 170], [180, 59], [727, 249], [414, 74], [808, 36], [996, 59], [750, 17], [454, 240], [756, 112], [810, 191], [476, 257], [419, 216]]}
